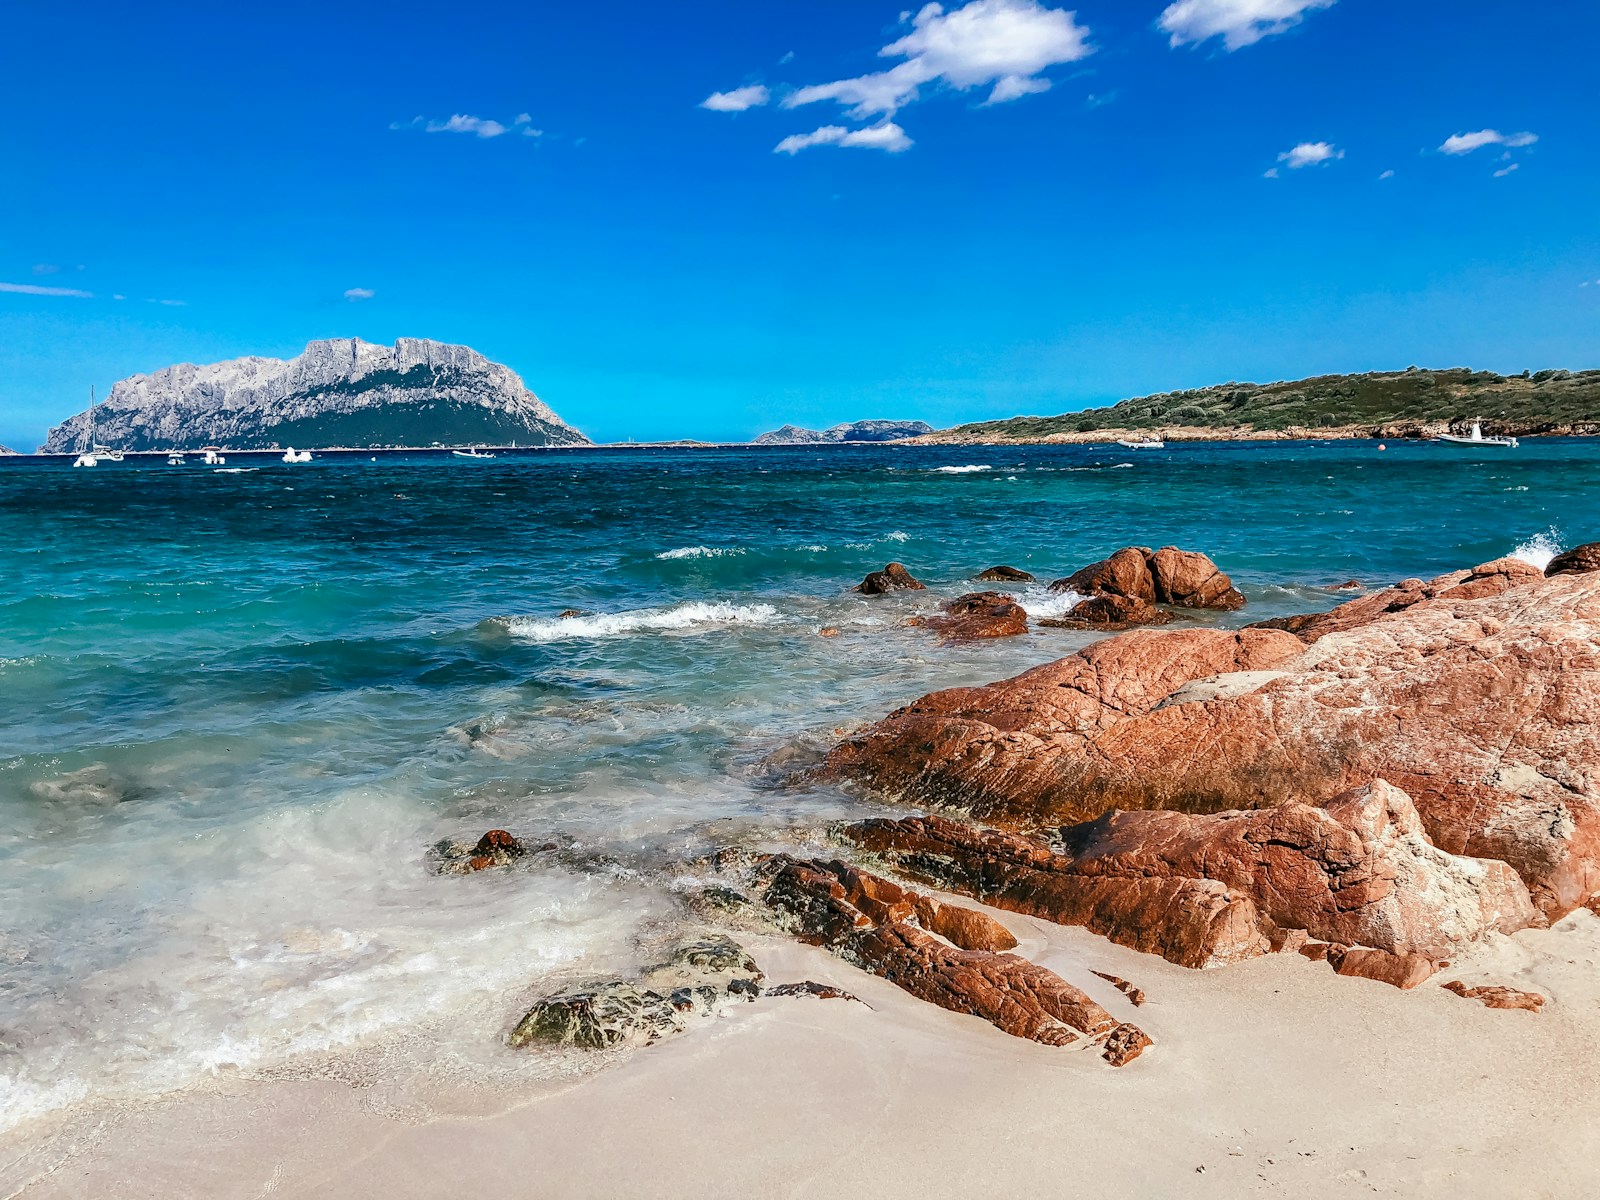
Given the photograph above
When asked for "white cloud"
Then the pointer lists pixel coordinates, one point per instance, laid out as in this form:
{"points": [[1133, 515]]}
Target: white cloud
{"points": [[887, 136], [1387, 175], [1006, 43], [459, 123], [354, 294], [1504, 171], [170, 303], [737, 100], [1466, 143], [524, 126], [33, 289], [1239, 23], [1309, 154], [45, 269]]}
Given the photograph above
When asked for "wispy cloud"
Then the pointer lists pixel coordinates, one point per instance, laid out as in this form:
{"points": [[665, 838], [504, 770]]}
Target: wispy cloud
{"points": [[1238, 23], [1004, 43], [1506, 170], [1387, 175], [46, 269], [480, 127], [1466, 143], [33, 289], [1307, 154], [887, 136], [355, 294], [169, 303], [738, 99]]}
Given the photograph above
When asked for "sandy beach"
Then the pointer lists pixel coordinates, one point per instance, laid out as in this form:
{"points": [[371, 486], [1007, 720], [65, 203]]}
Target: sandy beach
{"points": [[1273, 1078]]}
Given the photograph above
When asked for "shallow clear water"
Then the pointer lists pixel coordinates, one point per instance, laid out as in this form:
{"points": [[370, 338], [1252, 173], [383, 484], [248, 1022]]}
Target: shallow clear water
{"points": [[237, 708]]}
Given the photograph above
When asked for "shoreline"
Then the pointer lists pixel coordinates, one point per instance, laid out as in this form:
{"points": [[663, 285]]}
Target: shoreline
{"points": [[1108, 438], [1267, 1079]]}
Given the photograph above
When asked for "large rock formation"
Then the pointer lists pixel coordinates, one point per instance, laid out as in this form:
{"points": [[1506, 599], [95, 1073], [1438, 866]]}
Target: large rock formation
{"points": [[1209, 890], [343, 392], [1183, 578], [979, 615], [851, 431], [1477, 694]]}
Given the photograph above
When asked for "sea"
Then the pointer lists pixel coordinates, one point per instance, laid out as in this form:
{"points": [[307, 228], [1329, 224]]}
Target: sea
{"points": [[239, 706]]}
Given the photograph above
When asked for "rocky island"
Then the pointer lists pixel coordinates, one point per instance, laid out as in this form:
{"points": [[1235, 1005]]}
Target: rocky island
{"points": [[340, 392], [1391, 404], [852, 431]]}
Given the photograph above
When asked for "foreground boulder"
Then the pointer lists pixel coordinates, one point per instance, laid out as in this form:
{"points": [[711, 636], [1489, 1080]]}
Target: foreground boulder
{"points": [[699, 978], [1205, 891], [893, 578], [497, 848], [1184, 578], [1478, 696], [889, 931], [979, 615]]}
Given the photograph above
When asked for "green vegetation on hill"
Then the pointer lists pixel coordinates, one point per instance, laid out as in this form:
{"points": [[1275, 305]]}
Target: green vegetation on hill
{"points": [[1396, 402]]}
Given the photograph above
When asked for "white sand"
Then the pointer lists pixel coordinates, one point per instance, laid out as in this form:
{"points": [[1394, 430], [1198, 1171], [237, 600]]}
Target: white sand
{"points": [[1271, 1078]]}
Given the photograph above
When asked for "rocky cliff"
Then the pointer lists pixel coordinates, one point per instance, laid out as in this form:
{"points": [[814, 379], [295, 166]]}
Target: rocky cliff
{"points": [[853, 431], [342, 392]]}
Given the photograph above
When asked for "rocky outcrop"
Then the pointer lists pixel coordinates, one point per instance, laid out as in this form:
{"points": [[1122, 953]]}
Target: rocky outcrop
{"points": [[1477, 694], [850, 431], [1206, 891], [1003, 574], [699, 979], [341, 392], [893, 578], [890, 931], [1578, 561], [977, 616], [1183, 578]]}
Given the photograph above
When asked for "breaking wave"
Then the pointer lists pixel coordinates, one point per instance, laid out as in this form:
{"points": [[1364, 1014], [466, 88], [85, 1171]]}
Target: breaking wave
{"points": [[701, 552], [1538, 550], [696, 616]]}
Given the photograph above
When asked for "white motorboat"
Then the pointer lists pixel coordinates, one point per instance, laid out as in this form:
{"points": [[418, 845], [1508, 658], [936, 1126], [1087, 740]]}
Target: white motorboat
{"points": [[470, 454], [213, 459], [293, 456], [1142, 443], [1477, 438], [175, 459]]}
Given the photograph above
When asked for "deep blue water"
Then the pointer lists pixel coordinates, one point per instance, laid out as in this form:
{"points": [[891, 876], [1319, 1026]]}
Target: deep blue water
{"points": [[236, 708]]}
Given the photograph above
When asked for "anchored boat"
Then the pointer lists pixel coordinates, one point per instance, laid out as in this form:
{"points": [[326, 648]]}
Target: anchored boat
{"points": [[1477, 438]]}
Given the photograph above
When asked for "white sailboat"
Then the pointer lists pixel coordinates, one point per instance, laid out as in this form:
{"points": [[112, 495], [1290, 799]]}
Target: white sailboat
{"points": [[1477, 438], [92, 452]]}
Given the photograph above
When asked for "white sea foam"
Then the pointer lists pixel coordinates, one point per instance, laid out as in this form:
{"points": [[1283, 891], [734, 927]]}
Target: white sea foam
{"points": [[897, 535], [1538, 550], [1039, 602], [701, 552], [694, 616], [969, 469]]}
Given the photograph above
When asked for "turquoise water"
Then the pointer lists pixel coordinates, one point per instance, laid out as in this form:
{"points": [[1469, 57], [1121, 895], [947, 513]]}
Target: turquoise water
{"points": [[237, 708]]}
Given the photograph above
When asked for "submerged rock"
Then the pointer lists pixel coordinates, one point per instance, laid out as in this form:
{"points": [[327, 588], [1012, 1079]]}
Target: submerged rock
{"points": [[1003, 575], [809, 987], [497, 848], [980, 615], [1476, 694], [893, 578], [700, 978]]}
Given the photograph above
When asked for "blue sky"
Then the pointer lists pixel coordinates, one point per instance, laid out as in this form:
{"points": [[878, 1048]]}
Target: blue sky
{"points": [[1002, 207]]}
